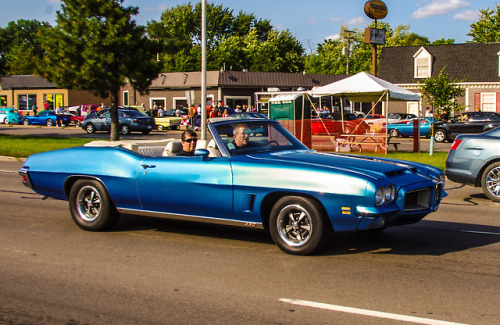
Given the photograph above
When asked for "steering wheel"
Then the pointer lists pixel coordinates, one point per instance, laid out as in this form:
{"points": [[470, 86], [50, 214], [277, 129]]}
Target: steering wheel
{"points": [[273, 142]]}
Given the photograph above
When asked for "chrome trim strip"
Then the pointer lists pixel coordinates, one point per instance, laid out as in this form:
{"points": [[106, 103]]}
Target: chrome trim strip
{"points": [[184, 217]]}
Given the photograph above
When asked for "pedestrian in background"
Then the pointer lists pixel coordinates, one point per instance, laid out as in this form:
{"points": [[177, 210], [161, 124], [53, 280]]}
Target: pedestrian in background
{"points": [[58, 112]]}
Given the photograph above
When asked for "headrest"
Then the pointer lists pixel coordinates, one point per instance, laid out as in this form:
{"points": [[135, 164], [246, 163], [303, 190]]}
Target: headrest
{"points": [[174, 146]]}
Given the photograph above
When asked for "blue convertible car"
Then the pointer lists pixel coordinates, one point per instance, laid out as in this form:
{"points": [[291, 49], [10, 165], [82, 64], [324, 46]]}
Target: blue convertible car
{"points": [[272, 182], [405, 128]]}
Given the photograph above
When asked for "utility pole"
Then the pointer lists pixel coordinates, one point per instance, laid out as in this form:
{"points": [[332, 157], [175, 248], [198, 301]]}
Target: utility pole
{"points": [[348, 48]]}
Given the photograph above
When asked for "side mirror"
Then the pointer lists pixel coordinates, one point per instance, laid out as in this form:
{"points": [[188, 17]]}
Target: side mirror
{"points": [[203, 153]]}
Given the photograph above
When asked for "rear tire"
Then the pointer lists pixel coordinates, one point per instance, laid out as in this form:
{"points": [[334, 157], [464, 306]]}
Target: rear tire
{"points": [[26, 121], [49, 122], [89, 128], [297, 225], [490, 181], [124, 129], [91, 206], [160, 127]]}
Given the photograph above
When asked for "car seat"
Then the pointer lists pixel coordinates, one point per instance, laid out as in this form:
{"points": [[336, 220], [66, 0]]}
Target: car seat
{"points": [[172, 148]]}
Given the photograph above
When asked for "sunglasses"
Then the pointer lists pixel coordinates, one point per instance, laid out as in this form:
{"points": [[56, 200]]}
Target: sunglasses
{"points": [[191, 140]]}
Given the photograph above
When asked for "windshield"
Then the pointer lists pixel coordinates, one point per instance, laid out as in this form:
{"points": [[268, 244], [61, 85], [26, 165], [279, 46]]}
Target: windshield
{"points": [[134, 114], [242, 138], [493, 133]]}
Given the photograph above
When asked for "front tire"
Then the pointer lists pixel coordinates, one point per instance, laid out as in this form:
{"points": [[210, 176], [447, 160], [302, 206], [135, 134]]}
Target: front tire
{"points": [[297, 225], [440, 135], [394, 133], [6, 121], [91, 206], [160, 127], [26, 121], [490, 182]]}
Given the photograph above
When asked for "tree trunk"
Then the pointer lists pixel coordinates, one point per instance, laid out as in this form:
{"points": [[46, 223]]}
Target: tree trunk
{"points": [[114, 135]]}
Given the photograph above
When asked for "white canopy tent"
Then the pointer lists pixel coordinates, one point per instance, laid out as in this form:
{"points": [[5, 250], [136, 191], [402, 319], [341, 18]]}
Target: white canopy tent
{"points": [[364, 87]]}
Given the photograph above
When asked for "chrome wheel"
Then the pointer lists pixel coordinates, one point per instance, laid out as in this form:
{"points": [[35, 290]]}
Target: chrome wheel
{"points": [[91, 206], [89, 128], [6, 121], [294, 225], [88, 203], [491, 182], [440, 135], [124, 129], [49, 122], [394, 133], [297, 225]]}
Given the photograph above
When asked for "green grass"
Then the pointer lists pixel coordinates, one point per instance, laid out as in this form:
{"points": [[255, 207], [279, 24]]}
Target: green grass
{"points": [[438, 159], [23, 146]]}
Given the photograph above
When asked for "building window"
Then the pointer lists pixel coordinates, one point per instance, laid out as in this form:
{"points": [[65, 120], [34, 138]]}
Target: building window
{"points": [[125, 98], [156, 103], [422, 68], [488, 102], [25, 102], [52, 101], [179, 102], [3, 101], [498, 63], [422, 64]]}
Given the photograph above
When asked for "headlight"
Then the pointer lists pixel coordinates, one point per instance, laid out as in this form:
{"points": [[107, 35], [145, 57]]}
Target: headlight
{"points": [[389, 193], [379, 196], [385, 195]]}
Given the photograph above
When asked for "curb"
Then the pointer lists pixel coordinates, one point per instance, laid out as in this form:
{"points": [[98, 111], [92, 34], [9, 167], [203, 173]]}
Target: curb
{"points": [[7, 158]]}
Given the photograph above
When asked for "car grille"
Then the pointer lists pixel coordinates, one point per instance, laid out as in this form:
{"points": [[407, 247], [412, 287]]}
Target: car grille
{"points": [[418, 200]]}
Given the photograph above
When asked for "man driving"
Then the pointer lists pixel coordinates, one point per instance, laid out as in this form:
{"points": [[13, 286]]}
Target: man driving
{"points": [[241, 138]]}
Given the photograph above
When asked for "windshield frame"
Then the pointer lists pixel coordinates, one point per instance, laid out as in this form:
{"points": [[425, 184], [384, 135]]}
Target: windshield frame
{"points": [[225, 151]]}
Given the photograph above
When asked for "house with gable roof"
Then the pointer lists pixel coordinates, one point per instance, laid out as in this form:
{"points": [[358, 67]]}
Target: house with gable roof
{"points": [[477, 64]]}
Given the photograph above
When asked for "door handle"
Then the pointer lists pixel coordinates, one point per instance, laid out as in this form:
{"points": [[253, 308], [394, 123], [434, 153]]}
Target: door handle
{"points": [[148, 166]]}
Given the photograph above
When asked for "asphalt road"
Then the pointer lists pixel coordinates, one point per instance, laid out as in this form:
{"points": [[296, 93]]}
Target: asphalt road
{"points": [[155, 271]]}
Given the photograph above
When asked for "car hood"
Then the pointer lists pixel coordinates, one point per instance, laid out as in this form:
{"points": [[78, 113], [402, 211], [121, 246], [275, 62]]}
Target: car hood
{"points": [[370, 167]]}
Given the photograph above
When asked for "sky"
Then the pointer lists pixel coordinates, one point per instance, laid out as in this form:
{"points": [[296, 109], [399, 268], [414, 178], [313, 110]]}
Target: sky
{"points": [[311, 22]]}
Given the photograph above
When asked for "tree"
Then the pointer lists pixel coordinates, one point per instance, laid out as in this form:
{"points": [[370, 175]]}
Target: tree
{"points": [[280, 51], [240, 41], [487, 28], [96, 46], [441, 93], [331, 55], [20, 47]]}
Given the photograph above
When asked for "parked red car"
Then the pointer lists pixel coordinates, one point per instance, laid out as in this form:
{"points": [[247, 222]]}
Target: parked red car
{"points": [[334, 127]]}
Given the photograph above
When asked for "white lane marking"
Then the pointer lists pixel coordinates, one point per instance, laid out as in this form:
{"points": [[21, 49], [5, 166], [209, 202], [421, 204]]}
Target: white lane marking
{"points": [[366, 312], [481, 232]]}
